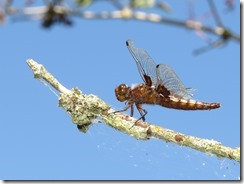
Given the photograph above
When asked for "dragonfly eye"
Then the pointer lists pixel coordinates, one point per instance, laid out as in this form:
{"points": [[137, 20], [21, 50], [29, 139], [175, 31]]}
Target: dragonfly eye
{"points": [[122, 92]]}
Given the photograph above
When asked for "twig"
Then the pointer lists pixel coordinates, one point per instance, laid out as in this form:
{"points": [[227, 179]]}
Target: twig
{"points": [[128, 13], [85, 108], [215, 13]]}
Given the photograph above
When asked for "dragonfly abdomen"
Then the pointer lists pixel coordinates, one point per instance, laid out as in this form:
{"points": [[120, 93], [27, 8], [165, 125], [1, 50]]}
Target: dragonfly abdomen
{"points": [[186, 104]]}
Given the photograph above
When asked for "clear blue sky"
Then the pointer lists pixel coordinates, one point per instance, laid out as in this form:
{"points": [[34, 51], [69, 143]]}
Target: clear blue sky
{"points": [[38, 139]]}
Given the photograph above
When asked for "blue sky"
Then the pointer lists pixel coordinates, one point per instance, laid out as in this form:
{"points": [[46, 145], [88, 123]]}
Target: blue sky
{"points": [[39, 140]]}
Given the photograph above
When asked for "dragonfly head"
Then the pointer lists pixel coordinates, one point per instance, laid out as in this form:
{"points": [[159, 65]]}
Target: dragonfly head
{"points": [[122, 92]]}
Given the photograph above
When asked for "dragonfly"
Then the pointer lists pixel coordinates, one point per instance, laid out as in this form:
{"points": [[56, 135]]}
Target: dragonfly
{"points": [[161, 87]]}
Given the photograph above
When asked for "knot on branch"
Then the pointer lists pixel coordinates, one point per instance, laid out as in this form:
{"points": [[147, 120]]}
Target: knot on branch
{"points": [[126, 13], [82, 108]]}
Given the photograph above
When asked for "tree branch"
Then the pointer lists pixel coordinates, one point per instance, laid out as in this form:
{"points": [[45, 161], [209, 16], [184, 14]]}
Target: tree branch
{"points": [[84, 109], [126, 13]]}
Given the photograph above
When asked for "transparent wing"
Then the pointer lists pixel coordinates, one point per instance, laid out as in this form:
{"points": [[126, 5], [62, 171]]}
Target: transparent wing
{"points": [[168, 78], [145, 64]]}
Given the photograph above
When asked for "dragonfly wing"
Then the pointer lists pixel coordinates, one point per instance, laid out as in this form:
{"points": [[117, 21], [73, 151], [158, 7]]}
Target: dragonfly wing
{"points": [[144, 62], [167, 78]]}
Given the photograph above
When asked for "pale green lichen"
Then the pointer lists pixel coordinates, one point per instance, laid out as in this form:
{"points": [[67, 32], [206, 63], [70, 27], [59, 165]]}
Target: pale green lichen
{"points": [[82, 108]]}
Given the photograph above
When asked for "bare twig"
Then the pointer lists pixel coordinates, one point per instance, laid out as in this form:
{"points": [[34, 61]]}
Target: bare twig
{"points": [[126, 13], [85, 108], [215, 13]]}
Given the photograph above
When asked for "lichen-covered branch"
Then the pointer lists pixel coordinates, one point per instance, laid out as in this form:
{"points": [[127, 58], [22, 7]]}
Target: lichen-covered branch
{"points": [[40, 72], [84, 109]]}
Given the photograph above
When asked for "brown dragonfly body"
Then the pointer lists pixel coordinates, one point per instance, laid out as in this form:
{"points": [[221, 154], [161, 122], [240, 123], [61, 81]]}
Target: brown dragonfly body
{"points": [[161, 87]]}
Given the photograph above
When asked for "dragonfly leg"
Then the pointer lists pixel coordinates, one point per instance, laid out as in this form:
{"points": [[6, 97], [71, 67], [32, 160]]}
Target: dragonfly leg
{"points": [[126, 108], [142, 112], [131, 110]]}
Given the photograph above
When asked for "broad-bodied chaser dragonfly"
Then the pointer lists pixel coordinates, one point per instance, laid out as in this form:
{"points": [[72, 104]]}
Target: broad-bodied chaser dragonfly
{"points": [[161, 86]]}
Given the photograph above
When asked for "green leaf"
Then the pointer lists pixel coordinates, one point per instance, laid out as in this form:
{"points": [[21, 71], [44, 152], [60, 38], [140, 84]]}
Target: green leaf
{"points": [[83, 2], [142, 3]]}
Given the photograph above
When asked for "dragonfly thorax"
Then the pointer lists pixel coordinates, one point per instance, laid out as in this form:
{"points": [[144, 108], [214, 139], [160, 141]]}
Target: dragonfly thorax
{"points": [[122, 92]]}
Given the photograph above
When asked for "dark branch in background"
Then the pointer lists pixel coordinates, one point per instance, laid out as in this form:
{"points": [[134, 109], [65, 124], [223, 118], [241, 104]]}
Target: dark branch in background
{"points": [[51, 17], [85, 109], [215, 13], [222, 40], [58, 11]]}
